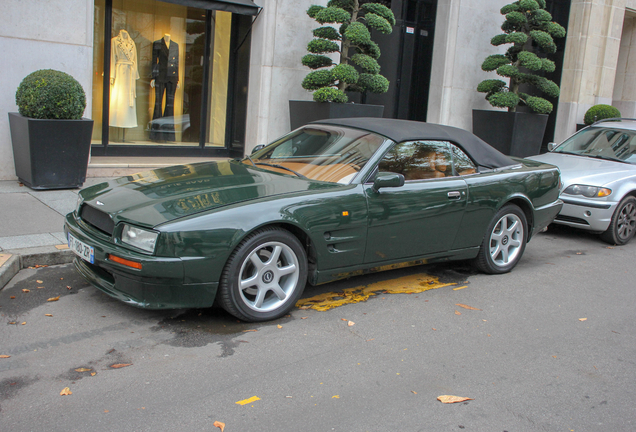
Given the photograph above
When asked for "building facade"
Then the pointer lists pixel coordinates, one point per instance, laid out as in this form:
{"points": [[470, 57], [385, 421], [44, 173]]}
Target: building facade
{"points": [[214, 78]]}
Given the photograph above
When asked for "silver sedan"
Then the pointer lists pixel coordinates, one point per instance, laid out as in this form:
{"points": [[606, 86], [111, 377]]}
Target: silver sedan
{"points": [[598, 171]]}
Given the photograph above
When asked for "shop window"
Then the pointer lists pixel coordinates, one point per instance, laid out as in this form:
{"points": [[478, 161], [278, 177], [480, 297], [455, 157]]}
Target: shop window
{"points": [[157, 74]]}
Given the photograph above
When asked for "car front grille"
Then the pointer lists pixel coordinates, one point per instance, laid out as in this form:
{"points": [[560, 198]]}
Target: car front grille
{"points": [[572, 219], [97, 219]]}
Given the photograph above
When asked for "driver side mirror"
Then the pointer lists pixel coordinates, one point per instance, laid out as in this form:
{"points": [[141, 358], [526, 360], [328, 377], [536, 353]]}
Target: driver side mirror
{"points": [[552, 146], [388, 180], [257, 148]]}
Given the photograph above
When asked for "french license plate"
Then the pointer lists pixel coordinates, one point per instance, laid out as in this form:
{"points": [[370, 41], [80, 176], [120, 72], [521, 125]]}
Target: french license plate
{"points": [[81, 249]]}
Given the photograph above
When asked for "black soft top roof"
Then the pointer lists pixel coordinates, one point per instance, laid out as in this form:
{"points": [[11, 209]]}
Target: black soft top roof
{"points": [[406, 130]]}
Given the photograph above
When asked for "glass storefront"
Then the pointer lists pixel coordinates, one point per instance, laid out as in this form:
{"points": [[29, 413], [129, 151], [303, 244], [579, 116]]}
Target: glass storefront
{"points": [[166, 86]]}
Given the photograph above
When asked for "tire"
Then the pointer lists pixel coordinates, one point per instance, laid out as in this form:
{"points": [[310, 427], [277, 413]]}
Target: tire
{"points": [[623, 224], [264, 277], [504, 242]]}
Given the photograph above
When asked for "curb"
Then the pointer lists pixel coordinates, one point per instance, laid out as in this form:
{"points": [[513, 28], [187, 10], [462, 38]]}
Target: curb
{"points": [[11, 262]]}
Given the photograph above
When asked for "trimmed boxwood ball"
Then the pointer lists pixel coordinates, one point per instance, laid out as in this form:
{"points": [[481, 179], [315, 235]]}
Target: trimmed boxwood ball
{"points": [[50, 94], [600, 112]]}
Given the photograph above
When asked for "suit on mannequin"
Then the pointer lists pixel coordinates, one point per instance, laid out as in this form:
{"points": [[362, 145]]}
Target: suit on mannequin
{"points": [[165, 79]]}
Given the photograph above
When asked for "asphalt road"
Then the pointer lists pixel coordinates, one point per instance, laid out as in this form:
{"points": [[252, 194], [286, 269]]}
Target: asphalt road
{"points": [[548, 347]]}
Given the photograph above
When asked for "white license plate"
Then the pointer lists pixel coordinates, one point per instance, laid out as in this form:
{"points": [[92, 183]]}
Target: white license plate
{"points": [[81, 249]]}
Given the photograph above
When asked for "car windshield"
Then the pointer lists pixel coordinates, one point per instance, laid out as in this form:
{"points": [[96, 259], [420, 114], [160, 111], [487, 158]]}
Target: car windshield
{"points": [[324, 153], [603, 143]]}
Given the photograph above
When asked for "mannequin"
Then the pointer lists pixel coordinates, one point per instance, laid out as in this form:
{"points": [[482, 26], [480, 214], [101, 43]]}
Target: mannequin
{"points": [[165, 79], [123, 76]]}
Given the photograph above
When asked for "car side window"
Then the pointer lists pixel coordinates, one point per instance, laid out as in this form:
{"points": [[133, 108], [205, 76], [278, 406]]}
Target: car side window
{"points": [[461, 161], [418, 160]]}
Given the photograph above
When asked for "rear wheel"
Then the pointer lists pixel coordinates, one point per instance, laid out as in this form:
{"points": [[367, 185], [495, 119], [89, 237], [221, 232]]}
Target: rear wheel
{"points": [[623, 224], [504, 242], [264, 276]]}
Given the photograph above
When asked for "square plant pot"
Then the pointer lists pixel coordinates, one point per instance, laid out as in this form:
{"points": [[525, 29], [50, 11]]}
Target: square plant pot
{"points": [[303, 112], [517, 134], [50, 154]]}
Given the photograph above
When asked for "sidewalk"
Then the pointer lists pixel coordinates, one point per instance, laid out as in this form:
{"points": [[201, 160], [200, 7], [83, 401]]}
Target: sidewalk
{"points": [[31, 222]]}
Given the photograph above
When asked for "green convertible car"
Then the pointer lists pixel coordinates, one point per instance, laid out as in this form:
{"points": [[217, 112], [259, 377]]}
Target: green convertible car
{"points": [[330, 200]]}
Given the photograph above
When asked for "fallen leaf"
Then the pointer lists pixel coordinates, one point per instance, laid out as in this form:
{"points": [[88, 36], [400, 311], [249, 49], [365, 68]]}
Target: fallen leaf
{"points": [[83, 370], [582, 319], [120, 365], [106, 411], [12, 322], [414, 392], [40, 287], [52, 299], [466, 306], [457, 312], [24, 323], [343, 319], [68, 287], [5, 356], [279, 326], [434, 328], [350, 323], [12, 297], [219, 425], [66, 392], [304, 317], [48, 315], [252, 330], [452, 399], [39, 281], [25, 290], [335, 397], [554, 356], [93, 373]]}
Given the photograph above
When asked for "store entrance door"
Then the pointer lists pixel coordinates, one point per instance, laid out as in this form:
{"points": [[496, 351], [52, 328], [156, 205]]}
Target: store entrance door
{"points": [[408, 68]]}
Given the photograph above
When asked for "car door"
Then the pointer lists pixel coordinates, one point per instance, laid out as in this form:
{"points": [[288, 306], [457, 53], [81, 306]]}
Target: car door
{"points": [[421, 217]]}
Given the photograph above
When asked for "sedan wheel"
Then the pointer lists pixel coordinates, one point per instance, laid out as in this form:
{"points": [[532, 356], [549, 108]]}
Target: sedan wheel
{"points": [[264, 276], [504, 242], [623, 224]]}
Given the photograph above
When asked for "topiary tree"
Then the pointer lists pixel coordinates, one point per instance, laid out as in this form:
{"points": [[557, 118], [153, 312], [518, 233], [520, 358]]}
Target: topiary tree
{"points": [[600, 112], [358, 69], [50, 94], [530, 29]]}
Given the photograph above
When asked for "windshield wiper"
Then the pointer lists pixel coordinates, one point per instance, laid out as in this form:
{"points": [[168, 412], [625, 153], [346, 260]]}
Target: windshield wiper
{"points": [[607, 158], [281, 167], [250, 159]]}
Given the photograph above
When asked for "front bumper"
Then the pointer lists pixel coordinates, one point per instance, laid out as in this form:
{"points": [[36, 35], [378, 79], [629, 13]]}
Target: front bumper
{"points": [[158, 285], [586, 214]]}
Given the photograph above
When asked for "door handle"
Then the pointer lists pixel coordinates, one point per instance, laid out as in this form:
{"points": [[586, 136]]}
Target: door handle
{"points": [[454, 195]]}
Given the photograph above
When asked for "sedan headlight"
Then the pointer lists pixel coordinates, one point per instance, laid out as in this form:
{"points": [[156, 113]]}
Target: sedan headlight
{"points": [[587, 191], [139, 238]]}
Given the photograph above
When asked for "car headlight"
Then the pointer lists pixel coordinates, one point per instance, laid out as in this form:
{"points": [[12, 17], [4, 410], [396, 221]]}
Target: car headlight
{"points": [[139, 238], [587, 191]]}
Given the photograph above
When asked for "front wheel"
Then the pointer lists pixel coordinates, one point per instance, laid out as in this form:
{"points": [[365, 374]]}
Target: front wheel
{"points": [[264, 277], [623, 224], [504, 242]]}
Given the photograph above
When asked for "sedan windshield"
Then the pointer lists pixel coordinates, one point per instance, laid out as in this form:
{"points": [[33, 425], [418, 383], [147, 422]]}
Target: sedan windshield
{"points": [[603, 143], [324, 153]]}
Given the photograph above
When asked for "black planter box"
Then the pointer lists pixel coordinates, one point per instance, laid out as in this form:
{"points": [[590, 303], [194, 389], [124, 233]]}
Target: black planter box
{"points": [[50, 154], [512, 133], [303, 112]]}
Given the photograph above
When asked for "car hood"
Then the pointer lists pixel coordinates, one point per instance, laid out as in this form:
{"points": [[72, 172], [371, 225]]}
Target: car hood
{"points": [[586, 170], [154, 197]]}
